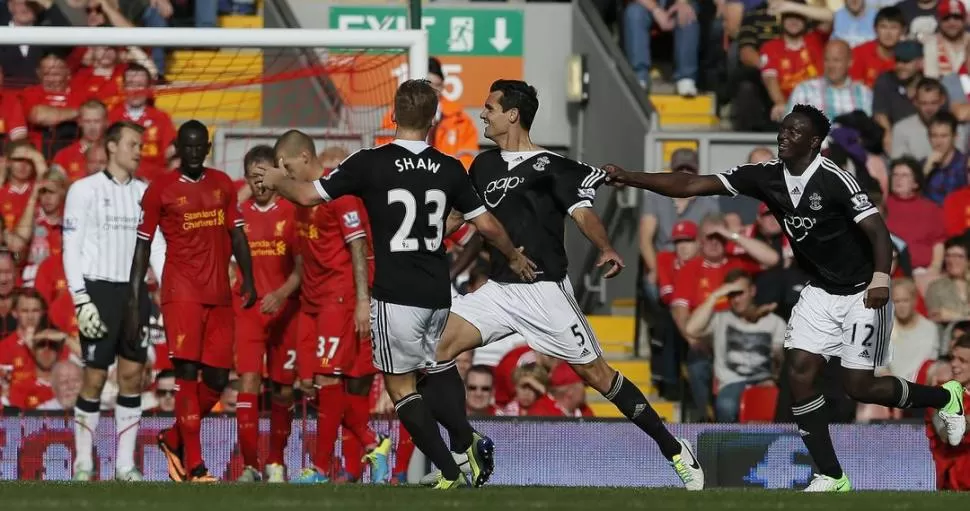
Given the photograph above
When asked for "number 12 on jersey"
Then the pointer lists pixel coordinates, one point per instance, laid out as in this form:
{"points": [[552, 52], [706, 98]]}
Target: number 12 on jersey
{"points": [[436, 200]]}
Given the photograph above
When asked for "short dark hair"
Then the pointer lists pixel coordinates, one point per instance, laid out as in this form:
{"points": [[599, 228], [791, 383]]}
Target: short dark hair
{"points": [[736, 275], [821, 124], [415, 105], [134, 67], [294, 142], [481, 368], [930, 84], [113, 133], [946, 118], [956, 241], [261, 153], [914, 167], [520, 96], [962, 342], [890, 13], [29, 293]]}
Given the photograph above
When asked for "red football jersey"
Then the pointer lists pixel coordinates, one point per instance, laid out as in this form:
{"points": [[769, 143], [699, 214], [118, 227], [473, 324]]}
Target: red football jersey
{"points": [[16, 357], [792, 66], [195, 217], [29, 393], [323, 234], [867, 64], [13, 202], [106, 87], [272, 235], [73, 161], [37, 95], [159, 134], [62, 314], [667, 268], [50, 280], [13, 122], [699, 278]]}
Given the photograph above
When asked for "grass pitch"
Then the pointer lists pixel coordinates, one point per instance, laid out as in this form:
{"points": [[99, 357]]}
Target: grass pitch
{"points": [[264, 497]]}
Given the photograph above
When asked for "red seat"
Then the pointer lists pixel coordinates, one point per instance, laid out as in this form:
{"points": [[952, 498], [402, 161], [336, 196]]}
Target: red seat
{"points": [[758, 404]]}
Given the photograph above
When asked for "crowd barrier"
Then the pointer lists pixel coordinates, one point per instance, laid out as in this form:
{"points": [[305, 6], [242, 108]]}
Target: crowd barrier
{"points": [[528, 452]]}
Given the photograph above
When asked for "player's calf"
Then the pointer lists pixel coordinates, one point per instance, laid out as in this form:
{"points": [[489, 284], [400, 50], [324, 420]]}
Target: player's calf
{"points": [[247, 421], [87, 414], [280, 425]]}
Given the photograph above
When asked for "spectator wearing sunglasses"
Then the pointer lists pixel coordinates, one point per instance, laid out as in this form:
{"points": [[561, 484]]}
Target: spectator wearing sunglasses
{"points": [[479, 392]]}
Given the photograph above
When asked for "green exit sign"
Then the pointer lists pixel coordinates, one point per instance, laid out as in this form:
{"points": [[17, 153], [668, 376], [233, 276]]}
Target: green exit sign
{"points": [[457, 32]]}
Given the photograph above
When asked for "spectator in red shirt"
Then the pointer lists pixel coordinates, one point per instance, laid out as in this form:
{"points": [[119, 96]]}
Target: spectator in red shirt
{"points": [[66, 379], [8, 284], [39, 231], [569, 391], [945, 51], [16, 349], [956, 212], [73, 159], [23, 164], [909, 215], [479, 391], [157, 149], [669, 263], [503, 381], [871, 59], [52, 107], [952, 462], [530, 394], [35, 389], [13, 123], [103, 79], [796, 55]]}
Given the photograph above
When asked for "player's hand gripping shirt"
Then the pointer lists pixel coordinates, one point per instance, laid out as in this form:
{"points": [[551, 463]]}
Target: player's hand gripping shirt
{"points": [[531, 193], [195, 217], [408, 188], [818, 212]]}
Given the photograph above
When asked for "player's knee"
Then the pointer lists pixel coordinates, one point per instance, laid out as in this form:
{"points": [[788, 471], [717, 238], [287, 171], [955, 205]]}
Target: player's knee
{"points": [[801, 370], [185, 369], [282, 394], [130, 379], [859, 385], [93, 383], [216, 378], [598, 374], [359, 386], [249, 383]]}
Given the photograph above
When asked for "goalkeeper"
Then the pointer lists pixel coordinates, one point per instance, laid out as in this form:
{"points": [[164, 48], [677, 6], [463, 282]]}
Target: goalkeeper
{"points": [[101, 216]]}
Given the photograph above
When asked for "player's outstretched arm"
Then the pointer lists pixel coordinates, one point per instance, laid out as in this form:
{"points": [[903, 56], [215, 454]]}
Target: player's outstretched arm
{"points": [[240, 250], [493, 231], [592, 227], [875, 228], [298, 192], [671, 184]]}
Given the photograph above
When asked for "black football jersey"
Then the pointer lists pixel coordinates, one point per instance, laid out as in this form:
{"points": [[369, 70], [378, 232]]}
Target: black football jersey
{"points": [[531, 193], [408, 188], [819, 212]]}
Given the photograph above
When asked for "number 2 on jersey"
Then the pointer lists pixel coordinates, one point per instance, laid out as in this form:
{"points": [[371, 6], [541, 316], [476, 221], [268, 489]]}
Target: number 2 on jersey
{"points": [[401, 242]]}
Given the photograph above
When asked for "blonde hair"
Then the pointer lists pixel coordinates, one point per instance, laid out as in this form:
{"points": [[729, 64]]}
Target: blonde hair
{"points": [[333, 155]]}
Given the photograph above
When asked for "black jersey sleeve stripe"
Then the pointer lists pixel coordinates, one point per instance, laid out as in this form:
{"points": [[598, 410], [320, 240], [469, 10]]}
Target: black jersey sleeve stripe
{"points": [[846, 178]]}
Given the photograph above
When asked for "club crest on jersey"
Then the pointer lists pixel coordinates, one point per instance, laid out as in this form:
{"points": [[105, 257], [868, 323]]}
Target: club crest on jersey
{"points": [[351, 220], [815, 201], [181, 201], [280, 226], [860, 202], [541, 163]]}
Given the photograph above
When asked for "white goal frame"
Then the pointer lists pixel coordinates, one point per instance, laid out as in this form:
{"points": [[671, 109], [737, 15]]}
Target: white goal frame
{"points": [[414, 41]]}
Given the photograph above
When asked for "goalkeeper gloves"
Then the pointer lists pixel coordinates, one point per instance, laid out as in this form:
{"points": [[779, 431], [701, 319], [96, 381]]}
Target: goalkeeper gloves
{"points": [[88, 318]]}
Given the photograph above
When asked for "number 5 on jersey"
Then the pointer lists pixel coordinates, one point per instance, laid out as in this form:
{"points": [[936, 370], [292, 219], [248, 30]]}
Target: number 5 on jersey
{"points": [[401, 241]]}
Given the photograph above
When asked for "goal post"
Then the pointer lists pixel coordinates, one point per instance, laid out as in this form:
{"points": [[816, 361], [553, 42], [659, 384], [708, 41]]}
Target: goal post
{"points": [[246, 84]]}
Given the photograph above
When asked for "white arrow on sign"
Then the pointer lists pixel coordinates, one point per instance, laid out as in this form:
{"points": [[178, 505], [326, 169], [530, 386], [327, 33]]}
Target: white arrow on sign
{"points": [[501, 39]]}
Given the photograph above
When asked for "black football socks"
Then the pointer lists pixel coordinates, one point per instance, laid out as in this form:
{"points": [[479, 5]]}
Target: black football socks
{"points": [[811, 415], [444, 392], [417, 419], [634, 405], [913, 395]]}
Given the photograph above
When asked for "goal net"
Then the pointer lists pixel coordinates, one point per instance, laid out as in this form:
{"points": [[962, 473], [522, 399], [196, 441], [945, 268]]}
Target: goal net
{"points": [[246, 85]]}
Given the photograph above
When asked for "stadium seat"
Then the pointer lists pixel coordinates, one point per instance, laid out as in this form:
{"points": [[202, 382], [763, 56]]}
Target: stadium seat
{"points": [[758, 404]]}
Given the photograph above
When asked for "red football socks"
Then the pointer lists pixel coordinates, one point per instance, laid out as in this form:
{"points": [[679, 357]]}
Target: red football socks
{"points": [[330, 409], [208, 398], [353, 452], [356, 417], [405, 448], [189, 422], [280, 424], [247, 421]]}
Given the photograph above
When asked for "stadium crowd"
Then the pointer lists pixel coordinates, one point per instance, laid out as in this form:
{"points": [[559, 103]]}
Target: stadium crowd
{"points": [[719, 277]]}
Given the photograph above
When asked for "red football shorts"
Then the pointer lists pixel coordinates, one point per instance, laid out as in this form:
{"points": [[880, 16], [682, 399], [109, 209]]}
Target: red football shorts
{"points": [[199, 333], [271, 337], [329, 345]]}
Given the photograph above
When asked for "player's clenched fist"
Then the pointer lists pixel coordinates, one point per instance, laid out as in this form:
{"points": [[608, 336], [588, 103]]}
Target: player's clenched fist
{"points": [[268, 177]]}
